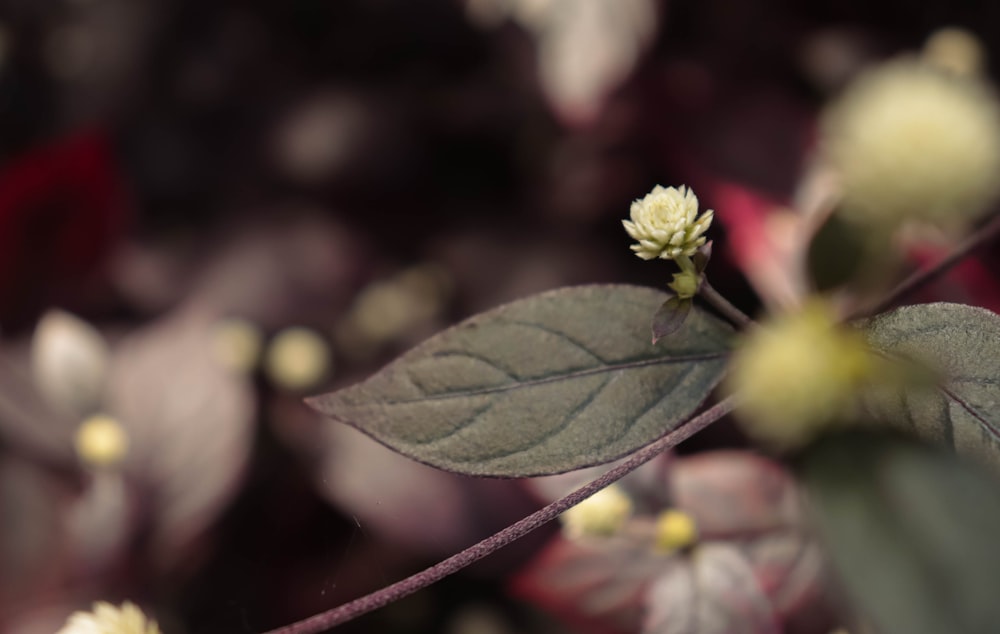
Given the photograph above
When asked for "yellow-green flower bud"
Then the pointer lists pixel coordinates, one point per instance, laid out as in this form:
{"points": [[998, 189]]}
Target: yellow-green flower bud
{"points": [[685, 284], [666, 224], [602, 514], [675, 530], [108, 619], [797, 374], [101, 441], [955, 50], [910, 141], [297, 359]]}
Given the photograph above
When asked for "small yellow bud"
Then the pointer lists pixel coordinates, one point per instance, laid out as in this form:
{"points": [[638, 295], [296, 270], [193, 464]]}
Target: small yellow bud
{"points": [[101, 441], [797, 374], [954, 50], [910, 141], [108, 619], [602, 514], [685, 284], [297, 359], [675, 530], [666, 224], [236, 345]]}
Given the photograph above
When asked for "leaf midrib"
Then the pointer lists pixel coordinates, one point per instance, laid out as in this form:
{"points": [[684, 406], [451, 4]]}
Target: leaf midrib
{"points": [[627, 365]]}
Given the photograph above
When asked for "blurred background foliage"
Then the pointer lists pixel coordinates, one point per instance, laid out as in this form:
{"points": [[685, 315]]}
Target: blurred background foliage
{"points": [[245, 202]]}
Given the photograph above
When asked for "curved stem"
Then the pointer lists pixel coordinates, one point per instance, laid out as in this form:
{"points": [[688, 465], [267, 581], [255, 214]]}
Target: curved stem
{"points": [[420, 580], [919, 279], [736, 316]]}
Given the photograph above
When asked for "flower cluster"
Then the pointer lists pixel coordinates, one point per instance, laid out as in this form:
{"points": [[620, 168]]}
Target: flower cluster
{"points": [[107, 619], [910, 140], [666, 224], [603, 513], [797, 373]]}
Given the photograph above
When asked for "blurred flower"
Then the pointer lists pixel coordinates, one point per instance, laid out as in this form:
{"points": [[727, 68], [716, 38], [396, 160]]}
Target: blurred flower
{"points": [[585, 49], [796, 374], [69, 361], [956, 51], [236, 345], [101, 441], [603, 513], [297, 359], [666, 224], [910, 141], [107, 619], [675, 530]]}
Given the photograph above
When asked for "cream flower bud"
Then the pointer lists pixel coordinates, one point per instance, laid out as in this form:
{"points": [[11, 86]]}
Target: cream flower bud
{"points": [[101, 441], [602, 514], [675, 530], [107, 619], [911, 141], [797, 374], [666, 224]]}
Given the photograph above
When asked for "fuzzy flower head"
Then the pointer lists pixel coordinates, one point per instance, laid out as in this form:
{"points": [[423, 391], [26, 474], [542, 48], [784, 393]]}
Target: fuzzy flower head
{"points": [[666, 224], [602, 514], [912, 141], [797, 374], [108, 619]]}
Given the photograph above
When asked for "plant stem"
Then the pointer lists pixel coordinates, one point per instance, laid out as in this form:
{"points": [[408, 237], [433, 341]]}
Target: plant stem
{"points": [[736, 316], [919, 279], [420, 580]]}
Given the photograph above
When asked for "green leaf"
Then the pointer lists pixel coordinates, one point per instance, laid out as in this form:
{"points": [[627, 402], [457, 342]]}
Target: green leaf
{"points": [[554, 382], [960, 342], [911, 532]]}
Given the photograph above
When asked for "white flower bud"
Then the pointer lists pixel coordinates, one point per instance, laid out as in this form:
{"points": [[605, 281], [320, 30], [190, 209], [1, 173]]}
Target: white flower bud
{"points": [[107, 619], [602, 514], [666, 224], [910, 141]]}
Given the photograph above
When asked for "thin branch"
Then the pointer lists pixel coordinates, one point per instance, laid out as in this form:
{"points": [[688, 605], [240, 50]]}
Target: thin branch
{"points": [[420, 580], [919, 279], [736, 316]]}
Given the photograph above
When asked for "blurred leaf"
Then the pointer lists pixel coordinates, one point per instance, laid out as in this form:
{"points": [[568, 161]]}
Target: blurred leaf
{"points": [[670, 317], [190, 425], [912, 532], [715, 591], [429, 511], [733, 494], [558, 381], [599, 584], [792, 571], [963, 344], [836, 253]]}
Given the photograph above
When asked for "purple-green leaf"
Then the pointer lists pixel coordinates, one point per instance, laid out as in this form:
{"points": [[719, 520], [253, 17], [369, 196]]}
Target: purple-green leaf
{"points": [[670, 316], [558, 381], [962, 344]]}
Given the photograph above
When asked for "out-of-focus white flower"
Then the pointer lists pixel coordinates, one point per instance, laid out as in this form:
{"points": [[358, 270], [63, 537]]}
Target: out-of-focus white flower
{"points": [[69, 361], [666, 224], [105, 618], [602, 514], [955, 50], [585, 49], [798, 373], [236, 345], [910, 141]]}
